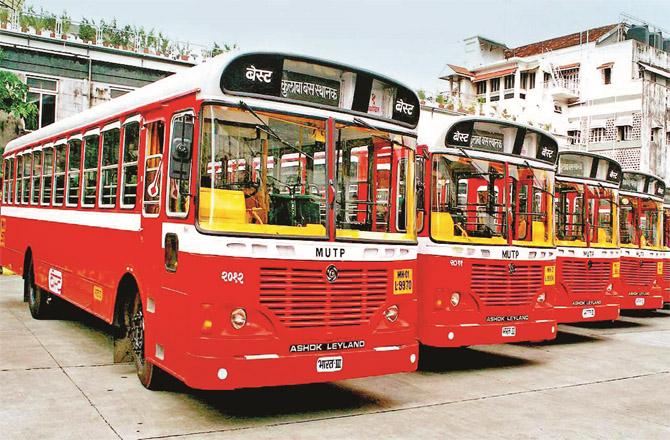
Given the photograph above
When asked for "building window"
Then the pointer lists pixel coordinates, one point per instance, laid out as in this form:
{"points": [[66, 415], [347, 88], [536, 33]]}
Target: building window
{"points": [[607, 75], [655, 132], [481, 88], [557, 108], [667, 138], [509, 82], [573, 137], [42, 92], [624, 133], [115, 92], [547, 79], [597, 135], [495, 89], [531, 80]]}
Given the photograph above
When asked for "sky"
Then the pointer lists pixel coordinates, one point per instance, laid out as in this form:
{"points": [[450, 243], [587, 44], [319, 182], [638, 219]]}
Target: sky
{"points": [[410, 41]]}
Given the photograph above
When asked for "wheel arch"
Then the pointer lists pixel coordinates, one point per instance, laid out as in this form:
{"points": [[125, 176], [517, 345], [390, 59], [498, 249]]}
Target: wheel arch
{"points": [[127, 288]]}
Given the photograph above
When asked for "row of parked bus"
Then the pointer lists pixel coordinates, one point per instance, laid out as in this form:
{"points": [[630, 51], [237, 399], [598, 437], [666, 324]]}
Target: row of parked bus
{"points": [[269, 219]]}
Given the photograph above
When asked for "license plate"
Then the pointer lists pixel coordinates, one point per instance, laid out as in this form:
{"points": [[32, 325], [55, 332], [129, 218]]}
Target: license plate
{"points": [[508, 331], [328, 364], [639, 301], [588, 313]]}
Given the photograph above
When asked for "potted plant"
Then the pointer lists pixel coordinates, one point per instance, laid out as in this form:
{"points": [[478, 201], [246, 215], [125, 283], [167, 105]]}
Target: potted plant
{"points": [[151, 42], [87, 31], [4, 18], [440, 100], [422, 96], [49, 21], [450, 104], [470, 110], [65, 25], [184, 52], [127, 37], [163, 45], [37, 24], [24, 22]]}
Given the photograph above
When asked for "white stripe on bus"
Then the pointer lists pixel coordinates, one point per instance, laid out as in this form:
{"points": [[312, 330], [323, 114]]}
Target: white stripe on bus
{"points": [[122, 221]]}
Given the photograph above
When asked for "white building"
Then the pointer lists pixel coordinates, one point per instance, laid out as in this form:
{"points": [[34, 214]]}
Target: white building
{"points": [[603, 90]]}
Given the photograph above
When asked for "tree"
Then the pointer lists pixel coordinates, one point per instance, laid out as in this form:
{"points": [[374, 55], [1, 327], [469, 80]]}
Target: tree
{"points": [[13, 93]]}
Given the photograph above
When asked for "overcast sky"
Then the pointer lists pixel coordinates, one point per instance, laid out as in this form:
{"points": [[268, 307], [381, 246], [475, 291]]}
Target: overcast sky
{"points": [[409, 40]]}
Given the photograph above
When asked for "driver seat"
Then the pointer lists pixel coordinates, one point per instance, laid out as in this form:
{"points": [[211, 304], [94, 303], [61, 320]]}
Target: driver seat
{"points": [[219, 207]]}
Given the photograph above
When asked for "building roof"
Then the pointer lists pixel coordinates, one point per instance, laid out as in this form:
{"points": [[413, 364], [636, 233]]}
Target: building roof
{"points": [[570, 40], [460, 70]]}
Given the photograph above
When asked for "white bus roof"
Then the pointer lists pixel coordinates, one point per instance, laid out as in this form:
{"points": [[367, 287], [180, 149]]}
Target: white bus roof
{"points": [[205, 79]]}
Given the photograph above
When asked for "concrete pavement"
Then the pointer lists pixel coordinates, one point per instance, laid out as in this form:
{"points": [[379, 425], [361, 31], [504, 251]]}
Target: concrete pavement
{"points": [[57, 380]]}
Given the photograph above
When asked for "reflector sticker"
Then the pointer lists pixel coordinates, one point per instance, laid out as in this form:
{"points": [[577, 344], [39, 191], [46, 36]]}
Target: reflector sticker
{"points": [[402, 281], [616, 269], [3, 228], [659, 268], [55, 281], [549, 275], [97, 293]]}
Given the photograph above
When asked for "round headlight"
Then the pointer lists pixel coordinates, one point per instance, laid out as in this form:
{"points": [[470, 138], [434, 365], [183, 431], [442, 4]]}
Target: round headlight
{"points": [[455, 299], [391, 313], [238, 318], [610, 286], [541, 297]]}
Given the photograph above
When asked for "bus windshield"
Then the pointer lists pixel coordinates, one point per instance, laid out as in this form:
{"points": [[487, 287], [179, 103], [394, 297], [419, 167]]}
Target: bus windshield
{"points": [[602, 214], [570, 214], [468, 202], [639, 222], [265, 173]]}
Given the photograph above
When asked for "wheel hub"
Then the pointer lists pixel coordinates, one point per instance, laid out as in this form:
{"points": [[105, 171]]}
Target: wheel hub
{"points": [[137, 334]]}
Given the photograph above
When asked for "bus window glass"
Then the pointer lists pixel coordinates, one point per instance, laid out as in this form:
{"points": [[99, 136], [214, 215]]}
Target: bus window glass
{"points": [[27, 171], [531, 199], [371, 200], [109, 169], [262, 176], [19, 179], [152, 168], [468, 200], [5, 180], [570, 213], [131, 141], [9, 178], [74, 172], [649, 223], [181, 152], [419, 179], [628, 221], [47, 175], [59, 176], [91, 150], [37, 173], [601, 210]]}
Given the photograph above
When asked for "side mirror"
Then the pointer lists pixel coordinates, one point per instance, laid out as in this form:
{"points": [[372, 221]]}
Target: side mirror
{"points": [[181, 151]]}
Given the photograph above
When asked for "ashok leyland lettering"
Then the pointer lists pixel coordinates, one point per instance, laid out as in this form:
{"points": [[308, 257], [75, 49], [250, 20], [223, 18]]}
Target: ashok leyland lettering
{"points": [[249, 222], [640, 223], [486, 252], [587, 263]]}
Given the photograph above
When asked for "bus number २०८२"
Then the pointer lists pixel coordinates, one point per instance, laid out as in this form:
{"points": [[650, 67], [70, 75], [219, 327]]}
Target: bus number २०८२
{"points": [[232, 277]]}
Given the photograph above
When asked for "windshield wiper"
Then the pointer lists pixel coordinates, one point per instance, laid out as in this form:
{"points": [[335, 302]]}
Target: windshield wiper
{"points": [[612, 201], [362, 123], [265, 128], [535, 179]]}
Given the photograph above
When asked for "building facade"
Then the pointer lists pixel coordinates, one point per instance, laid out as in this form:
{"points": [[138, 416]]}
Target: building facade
{"points": [[604, 90]]}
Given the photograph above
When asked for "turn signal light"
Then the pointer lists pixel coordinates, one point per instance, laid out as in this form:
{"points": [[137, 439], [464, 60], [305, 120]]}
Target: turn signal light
{"points": [[455, 299], [542, 297]]}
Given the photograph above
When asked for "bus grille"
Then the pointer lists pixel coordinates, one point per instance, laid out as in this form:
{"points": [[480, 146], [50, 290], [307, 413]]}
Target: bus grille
{"points": [[579, 279], [666, 270], [302, 298], [496, 286], [640, 275]]}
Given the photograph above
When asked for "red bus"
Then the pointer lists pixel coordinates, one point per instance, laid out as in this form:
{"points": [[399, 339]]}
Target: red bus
{"points": [[486, 242], [666, 247], [163, 212], [640, 223], [587, 261]]}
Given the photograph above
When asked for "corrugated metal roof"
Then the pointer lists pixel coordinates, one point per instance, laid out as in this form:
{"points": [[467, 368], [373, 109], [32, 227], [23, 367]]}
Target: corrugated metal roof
{"points": [[575, 39]]}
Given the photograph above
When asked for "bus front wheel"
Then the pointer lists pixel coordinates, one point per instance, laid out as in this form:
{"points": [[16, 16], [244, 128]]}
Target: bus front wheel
{"points": [[151, 376], [40, 302]]}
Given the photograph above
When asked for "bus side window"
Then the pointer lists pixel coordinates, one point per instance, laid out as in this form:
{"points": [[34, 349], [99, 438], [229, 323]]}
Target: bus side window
{"points": [[27, 170], [91, 150], [73, 172], [19, 179], [109, 169], [181, 154], [153, 166], [8, 176], [59, 176], [131, 142], [47, 176], [37, 173]]}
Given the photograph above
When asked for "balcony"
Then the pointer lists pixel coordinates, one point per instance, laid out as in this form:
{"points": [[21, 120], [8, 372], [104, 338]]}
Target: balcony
{"points": [[564, 88]]}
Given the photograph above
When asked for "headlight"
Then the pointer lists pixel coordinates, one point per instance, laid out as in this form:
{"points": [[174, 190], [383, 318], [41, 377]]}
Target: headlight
{"points": [[455, 299], [610, 287], [391, 313], [238, 318], [541, 297]]}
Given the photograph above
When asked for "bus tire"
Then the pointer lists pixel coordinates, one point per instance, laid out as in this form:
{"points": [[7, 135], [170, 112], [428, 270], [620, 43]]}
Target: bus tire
{"points": [[40, 302], [151, 376]]}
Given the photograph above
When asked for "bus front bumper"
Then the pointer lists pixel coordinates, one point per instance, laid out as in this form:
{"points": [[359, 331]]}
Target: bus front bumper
{"points": [[586, 313], [647, 302], [461, 335], [261, 370]]}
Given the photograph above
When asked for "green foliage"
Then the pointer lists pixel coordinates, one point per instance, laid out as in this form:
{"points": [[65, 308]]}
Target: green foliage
{"points": [[87, 30], [422, 94], [66, 23], [4, 15], [440, 99]]}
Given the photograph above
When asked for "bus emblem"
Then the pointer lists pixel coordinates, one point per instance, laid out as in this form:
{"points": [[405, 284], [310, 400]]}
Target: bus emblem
{"points": [[331, 273], [512, 268]]}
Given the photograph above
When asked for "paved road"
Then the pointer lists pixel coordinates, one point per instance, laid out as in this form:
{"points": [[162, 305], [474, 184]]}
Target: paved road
{"points": [[57, 380]]}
